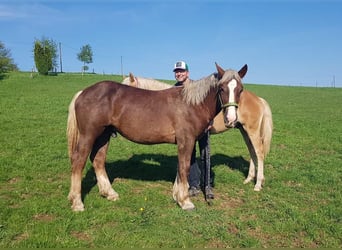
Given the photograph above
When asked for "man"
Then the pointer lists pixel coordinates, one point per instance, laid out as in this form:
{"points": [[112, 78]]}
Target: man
{"points": [[181, 70]]}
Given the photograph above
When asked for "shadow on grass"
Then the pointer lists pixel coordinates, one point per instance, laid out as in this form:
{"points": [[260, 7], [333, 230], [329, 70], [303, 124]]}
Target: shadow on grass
{"points": [[235, 163], [154, 167]]}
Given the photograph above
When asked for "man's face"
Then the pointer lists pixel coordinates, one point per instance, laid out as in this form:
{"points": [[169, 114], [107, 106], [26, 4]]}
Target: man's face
{"points": [[181, 75]]}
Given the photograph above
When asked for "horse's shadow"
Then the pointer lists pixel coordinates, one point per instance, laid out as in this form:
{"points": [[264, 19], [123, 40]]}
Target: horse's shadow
{"points": [[154, 167]]}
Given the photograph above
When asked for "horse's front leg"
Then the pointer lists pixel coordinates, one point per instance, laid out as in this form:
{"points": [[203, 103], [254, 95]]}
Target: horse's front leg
{"points": [[255, 147], [181, 185], [251, 172]]}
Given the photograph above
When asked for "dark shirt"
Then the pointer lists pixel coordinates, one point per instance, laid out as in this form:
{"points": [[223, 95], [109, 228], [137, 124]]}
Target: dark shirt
{"points": [[177, 84]]}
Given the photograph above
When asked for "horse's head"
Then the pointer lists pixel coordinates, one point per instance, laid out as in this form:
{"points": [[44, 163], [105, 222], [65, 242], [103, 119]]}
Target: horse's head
{"points": [[229, 93], [131, 80]]}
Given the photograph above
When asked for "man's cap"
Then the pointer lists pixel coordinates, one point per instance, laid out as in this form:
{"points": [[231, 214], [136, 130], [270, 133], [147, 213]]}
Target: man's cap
{"points": [[181, 65]]}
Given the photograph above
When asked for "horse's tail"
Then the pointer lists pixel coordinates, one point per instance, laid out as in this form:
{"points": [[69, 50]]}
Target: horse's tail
{"points": [[266, 127], [72, 128]]}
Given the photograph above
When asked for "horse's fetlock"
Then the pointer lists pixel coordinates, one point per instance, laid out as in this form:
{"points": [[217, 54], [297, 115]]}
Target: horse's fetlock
{"points": [[248, 180]]}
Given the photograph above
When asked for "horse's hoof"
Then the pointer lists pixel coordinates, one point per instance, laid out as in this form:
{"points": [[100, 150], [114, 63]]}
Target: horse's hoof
{"points": [[77, 208], [257, 188], [188, 206], [113, 197], [189, 209]]}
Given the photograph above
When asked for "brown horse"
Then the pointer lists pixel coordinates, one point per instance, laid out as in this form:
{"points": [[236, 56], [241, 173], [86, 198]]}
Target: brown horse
{"points": [[254, 120], [176, 115]]}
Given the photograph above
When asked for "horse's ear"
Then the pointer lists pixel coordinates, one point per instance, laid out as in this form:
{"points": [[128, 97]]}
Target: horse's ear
{"points": [[220, 71], [133, 80], [243, 71], [131, 77]]}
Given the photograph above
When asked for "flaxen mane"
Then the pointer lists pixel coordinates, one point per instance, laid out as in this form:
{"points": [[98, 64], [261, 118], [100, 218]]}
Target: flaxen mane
{"points": [[145, 83], [195, 92]]}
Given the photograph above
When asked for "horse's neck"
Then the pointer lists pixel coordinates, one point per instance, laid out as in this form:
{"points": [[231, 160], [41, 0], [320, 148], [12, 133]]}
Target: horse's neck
{"points": [[212, 103]]}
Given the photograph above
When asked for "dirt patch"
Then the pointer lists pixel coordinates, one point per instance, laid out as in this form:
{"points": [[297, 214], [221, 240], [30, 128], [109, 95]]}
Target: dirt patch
{"points": [[81, 236], [21, 237], [14, 180], [224, 201], [44, 217]]}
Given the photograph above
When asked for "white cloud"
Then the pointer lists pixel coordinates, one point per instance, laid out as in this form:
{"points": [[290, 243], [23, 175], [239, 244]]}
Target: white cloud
{"points": [[27, 11]]}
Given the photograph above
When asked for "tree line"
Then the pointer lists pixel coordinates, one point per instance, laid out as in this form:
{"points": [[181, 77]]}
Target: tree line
{"points": [[45, 53], [6, 61]]}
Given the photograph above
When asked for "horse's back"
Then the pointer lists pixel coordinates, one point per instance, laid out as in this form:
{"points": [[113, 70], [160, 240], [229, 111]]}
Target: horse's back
{"points": [[130, 110]]}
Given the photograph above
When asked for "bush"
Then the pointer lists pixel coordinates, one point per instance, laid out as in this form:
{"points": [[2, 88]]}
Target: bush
{"points": [[45, 54]]}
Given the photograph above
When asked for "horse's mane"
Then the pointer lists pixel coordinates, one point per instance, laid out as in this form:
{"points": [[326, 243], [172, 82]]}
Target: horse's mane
{"points": [[195, 92], [147, 83]]}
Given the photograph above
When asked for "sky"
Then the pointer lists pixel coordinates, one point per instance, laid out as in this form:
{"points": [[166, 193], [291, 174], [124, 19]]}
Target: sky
{"points": [[282, 42]]}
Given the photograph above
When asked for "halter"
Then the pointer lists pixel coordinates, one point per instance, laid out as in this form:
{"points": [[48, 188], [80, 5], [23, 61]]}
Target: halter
{"points": [[228, 104]]}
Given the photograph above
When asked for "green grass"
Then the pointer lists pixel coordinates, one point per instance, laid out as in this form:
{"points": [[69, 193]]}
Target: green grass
{"points": [[300, 205]]}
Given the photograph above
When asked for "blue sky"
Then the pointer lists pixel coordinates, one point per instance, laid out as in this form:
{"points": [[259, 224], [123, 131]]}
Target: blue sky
{"points": [[283, 42]]}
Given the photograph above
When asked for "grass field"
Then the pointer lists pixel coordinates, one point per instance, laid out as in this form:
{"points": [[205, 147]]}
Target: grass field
{"points": [[300, 205]]}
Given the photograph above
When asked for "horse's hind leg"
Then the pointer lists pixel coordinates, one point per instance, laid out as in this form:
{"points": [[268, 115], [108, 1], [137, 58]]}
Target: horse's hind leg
{"points": [[78, 161], [260, 179], [98, 158]]}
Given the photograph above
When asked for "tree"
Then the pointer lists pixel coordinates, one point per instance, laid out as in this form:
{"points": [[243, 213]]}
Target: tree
{"points": [[6, 62], [45, 55], [85, 56]]}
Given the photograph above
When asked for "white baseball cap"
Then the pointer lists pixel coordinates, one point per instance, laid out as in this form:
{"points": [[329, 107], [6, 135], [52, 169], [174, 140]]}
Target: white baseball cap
{"points": [[181, 65]]}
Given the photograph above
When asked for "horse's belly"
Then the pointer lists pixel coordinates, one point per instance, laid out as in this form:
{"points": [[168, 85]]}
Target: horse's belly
{"points": [[144, 135]]}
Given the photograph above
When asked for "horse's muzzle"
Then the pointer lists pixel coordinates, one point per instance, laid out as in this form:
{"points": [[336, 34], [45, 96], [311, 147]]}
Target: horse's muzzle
{"points": [[230, 117]]}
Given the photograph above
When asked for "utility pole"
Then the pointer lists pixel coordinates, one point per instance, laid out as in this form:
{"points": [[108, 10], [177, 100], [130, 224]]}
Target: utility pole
{"points": [[122, 69], [333, 82], [60, 57]]}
